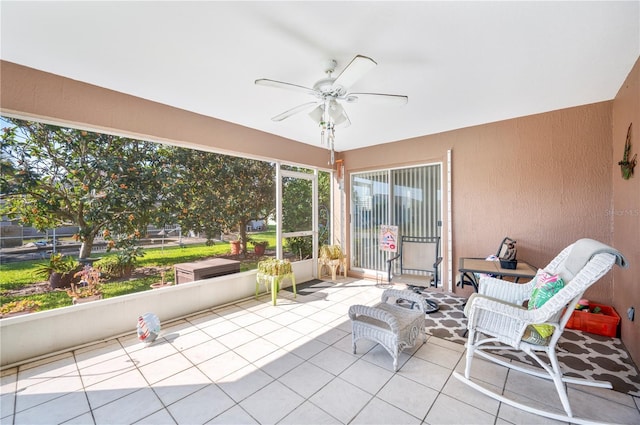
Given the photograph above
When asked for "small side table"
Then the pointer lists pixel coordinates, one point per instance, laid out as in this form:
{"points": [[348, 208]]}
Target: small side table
{"points": [[275, 281]]}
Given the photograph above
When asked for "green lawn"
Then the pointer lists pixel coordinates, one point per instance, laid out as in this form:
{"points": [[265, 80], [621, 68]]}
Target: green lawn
{"points": [[22, 274]]}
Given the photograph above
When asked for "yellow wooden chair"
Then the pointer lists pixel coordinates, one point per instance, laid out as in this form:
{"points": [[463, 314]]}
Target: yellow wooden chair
{"points": [[331, 256]]}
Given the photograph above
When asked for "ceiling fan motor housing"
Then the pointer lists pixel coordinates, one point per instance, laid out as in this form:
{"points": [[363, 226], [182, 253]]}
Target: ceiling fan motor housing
{"points": [[326, 88]]}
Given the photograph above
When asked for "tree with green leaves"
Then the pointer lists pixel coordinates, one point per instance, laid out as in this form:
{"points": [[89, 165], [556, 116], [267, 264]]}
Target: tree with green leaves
{"points": [[213, 193], [104, 184]]}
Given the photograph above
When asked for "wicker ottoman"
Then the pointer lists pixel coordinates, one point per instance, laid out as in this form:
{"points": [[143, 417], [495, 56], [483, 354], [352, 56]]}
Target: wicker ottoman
{"points": [[388, 324]]}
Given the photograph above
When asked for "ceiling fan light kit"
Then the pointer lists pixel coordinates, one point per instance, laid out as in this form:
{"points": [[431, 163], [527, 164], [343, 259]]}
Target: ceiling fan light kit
{"points": [[329, 93]]}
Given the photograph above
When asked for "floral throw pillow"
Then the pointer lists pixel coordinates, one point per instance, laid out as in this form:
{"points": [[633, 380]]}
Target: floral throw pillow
{"points": [[547, 285]]}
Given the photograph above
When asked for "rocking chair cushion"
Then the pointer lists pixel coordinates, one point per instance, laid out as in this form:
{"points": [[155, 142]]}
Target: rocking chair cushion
{"points": [[532, 336], [546, 286]]}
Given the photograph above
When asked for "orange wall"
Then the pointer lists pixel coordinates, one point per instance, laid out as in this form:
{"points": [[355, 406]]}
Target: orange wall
{"points": [[543, 180], [625, 210], [31, 94]]}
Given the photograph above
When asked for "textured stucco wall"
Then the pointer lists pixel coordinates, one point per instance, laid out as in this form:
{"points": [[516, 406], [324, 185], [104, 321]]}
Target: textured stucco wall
{"points": [[32, 94], [625, 211], [543, 180]]}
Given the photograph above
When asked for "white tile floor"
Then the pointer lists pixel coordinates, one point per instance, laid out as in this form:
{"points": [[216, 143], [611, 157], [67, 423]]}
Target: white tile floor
{"points": [[253, 362]]}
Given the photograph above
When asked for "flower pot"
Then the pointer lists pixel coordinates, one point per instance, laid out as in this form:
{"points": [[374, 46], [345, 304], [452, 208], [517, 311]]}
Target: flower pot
{"points": [[259, 249], [82, 300], [127, 271], [159, 285], [627, 170], [60, 280], [235, 247]]}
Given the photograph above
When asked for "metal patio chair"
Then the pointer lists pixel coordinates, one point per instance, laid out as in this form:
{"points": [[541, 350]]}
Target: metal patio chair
{"points": [[417, 265]]}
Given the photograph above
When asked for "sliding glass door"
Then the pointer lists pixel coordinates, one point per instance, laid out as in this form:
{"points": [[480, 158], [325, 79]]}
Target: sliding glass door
{"points": [[409, 198]]}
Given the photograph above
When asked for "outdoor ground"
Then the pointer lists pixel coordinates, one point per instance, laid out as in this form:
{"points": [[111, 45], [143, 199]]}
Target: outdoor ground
{"points": [[22, 284], [44, 287]]}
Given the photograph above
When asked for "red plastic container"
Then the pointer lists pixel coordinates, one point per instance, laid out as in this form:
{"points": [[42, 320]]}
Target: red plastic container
{"points": [[603, 323]]}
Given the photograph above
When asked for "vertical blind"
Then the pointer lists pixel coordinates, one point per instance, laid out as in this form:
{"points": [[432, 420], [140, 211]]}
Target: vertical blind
{"points": [[409, 198]]}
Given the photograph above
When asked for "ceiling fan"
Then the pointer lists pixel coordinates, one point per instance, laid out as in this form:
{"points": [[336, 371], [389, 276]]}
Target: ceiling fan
{"points": [[330, 92]]}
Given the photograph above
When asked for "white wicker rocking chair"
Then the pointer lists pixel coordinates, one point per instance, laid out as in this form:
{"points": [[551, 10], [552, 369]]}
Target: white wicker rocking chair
{"points": [[497, 320]]}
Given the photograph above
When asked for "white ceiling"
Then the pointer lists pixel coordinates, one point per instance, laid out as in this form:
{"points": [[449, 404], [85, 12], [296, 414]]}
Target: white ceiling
{"points": [[460, 63]]}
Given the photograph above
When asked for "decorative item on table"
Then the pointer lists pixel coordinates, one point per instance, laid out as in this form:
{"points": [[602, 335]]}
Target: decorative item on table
{"points": [[508, 259], [148, 327]]}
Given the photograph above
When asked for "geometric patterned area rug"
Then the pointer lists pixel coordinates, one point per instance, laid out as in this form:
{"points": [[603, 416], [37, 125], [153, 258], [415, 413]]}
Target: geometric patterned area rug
{"points": [[581, 354]]}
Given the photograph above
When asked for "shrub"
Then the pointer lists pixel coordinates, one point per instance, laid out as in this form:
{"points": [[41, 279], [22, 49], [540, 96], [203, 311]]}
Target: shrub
{"points": [[58, 263], [128, 256], [18, 306], [110, 267], [89, 283], [122, 264], [301, 246]]}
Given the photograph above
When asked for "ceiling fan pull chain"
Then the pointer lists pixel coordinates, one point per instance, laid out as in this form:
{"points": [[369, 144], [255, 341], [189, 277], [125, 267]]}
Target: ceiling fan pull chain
{"points": [[331, 140]]}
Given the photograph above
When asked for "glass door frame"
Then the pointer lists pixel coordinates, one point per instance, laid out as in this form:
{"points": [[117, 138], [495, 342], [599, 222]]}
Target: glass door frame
{"points": [[280, 175], [389, 206]]}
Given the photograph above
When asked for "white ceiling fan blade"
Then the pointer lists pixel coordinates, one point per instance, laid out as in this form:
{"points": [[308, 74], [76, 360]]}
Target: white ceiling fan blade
{"points": [[293, 111], [354, 71], [283, 85], [378, 98]]}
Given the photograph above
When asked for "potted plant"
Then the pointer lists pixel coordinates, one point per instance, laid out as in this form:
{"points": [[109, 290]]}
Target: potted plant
{"points": [[89, 287], [59, 270], [236, 249], [128, 258], [628, 164], [274, 267], [16, 308], [259, 247]]}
